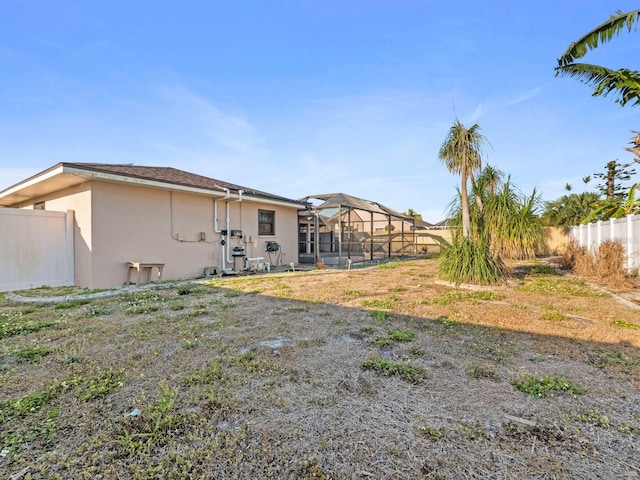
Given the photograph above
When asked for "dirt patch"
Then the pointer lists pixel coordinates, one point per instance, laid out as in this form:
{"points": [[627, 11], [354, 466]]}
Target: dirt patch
{"points": [[370, 373]]}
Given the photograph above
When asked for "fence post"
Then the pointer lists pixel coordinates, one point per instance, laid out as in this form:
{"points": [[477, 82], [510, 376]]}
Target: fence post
{"points": [[612, 229], [630, 252]]}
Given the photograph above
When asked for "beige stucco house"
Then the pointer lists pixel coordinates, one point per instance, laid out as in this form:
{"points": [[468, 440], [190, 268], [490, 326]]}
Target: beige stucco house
{"points": [[188, 222]]}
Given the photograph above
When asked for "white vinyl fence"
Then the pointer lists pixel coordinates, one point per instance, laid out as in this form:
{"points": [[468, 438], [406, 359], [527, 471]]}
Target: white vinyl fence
{"points": [[36, 249], [626, 229]]}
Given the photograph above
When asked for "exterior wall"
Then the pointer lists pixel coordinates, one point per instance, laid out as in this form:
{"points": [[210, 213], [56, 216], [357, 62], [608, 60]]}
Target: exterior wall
{"points": [[432, 240], [555, 242], [436, 239], [78, 199], [177, 229], [36, 249], [117, 223], [286, 231]]}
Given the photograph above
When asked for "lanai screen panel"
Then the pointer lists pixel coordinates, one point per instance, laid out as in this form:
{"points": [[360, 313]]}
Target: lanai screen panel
{"points": [[349, 228]]}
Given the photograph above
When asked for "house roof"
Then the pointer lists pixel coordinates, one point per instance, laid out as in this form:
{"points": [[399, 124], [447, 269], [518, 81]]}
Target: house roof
{"points": [[64, 175]]}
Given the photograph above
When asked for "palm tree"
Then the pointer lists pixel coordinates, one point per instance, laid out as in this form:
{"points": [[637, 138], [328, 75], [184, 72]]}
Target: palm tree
{"points": [[569, 210], [461, 153], [623, 82], [502, 216]]}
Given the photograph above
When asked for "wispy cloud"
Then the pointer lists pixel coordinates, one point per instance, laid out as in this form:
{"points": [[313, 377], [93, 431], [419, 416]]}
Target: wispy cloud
{"points": [[502, 102], [229, 129]]}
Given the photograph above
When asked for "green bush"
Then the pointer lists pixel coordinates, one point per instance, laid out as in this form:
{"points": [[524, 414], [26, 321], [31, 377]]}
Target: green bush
{"points": [[471, 261]]}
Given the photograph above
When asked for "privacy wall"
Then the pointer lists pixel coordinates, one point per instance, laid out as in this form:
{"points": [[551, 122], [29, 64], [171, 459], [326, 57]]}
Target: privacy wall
{"points": [[36, 249], [626, 230]]}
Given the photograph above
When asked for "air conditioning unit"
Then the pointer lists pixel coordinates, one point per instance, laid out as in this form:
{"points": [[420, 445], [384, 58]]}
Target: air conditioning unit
{"points": [[272, 247]]}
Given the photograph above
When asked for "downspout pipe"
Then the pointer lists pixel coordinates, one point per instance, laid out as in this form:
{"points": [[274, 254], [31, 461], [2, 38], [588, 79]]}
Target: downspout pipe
{"points": [[215, 225], [215, 210], [229, 259]]}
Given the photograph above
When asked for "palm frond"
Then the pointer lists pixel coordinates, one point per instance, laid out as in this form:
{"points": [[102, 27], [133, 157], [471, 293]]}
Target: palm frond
{"points": [[601, 34], [624, 83]]}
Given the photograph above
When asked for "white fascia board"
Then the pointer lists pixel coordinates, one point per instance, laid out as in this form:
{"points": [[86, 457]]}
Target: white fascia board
{"points": [[33, 181]]}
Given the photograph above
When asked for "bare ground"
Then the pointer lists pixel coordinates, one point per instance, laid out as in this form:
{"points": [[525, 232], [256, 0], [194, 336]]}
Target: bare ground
{"points": [[283, 376]]}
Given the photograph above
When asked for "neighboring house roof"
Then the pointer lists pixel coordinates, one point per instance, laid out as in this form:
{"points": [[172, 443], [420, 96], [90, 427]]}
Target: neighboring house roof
{"points": [[64, 175], [442, 224]]}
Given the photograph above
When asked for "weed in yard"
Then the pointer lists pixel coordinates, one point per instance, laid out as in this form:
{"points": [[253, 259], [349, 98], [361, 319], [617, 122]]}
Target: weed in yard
{"points": [[473, 298], [433, 433], [469, 432], [31, 354], [176, 307], [380, 316], [400, 336], [70, 304], [231, 294], [413, 374], [11, 325], [296, 309], [628, 428], [383, 341], [283, 291], [142, 309], [139, 303], [354, 293], [618, 322], [189, 344], [96, 309], [592, 416], [154, 427], [212, 374], [495, 347], [415, 351], [226, 305], [28, 310], [602, 358], [188, 290], [567, 286], [554, 316], [448, 321], [369, 330], [389, 265], [388, 304], [71, 357], [541, 269], [481, 371], [100, 385], [395, 336], [32, 402], [398, 288], [198, 311], [544, 385]]}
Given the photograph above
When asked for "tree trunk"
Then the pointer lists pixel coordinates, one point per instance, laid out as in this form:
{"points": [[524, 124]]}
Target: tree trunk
{"points": [[466, 221]]}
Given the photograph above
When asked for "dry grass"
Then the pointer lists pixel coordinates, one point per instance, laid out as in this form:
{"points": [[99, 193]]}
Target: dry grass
{"points": [[605, 266], [375, 373]]}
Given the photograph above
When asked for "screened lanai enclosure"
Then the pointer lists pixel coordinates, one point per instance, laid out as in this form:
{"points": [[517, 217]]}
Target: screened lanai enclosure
{"points": [[340, 230]]}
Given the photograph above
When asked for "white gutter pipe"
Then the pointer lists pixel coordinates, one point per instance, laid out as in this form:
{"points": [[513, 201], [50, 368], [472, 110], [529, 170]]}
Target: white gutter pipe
{"points": [[215, 224], [229, 259]]}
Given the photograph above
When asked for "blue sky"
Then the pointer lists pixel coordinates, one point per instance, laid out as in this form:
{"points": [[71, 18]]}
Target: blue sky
{"points": [[307, 97]]}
